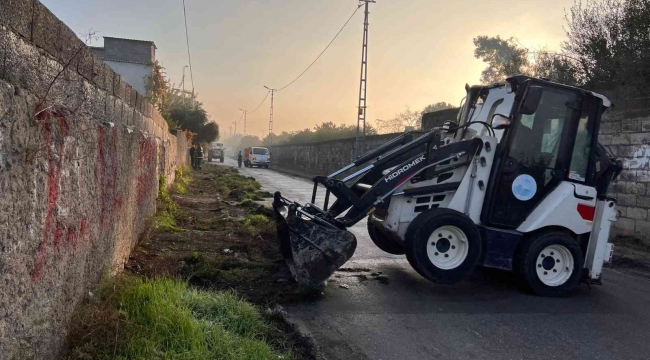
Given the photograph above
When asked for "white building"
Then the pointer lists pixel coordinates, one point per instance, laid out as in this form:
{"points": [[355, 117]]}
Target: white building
{"points": [[132, 59]]}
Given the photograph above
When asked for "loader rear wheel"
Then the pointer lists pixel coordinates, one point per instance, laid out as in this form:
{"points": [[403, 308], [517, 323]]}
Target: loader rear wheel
{"points": [[443, 245], [550, 264], [382, 241]]}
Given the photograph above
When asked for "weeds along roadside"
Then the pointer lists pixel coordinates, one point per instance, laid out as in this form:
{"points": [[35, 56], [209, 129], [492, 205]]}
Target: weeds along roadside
{"points": [[116, 328]]}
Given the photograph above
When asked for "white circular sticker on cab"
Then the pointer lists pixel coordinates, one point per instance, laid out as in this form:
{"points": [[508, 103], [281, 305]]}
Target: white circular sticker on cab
{"points": [[524, 187]]}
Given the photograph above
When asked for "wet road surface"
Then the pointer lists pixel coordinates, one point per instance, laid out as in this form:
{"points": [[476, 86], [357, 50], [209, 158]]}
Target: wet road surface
{"points": [[484, 317]]}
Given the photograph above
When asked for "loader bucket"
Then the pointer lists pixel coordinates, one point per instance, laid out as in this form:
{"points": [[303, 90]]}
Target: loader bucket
{"points": [[313, 251]]}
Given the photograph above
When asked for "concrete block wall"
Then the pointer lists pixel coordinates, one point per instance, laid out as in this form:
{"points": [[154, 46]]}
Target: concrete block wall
{"points": [[627, 134], [80, 157], [321, 158]]}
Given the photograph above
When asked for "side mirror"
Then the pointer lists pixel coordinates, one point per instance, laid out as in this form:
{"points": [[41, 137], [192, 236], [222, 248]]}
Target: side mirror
{"points": [[531, 102], [500, 122]]}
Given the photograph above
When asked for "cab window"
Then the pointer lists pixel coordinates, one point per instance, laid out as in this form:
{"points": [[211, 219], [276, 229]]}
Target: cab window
{"points": [[582, 145], [537, 139]]}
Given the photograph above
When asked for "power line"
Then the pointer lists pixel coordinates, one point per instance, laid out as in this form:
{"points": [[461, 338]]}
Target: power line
{"points": [[187, 40], [258, 106], [321, 54]]}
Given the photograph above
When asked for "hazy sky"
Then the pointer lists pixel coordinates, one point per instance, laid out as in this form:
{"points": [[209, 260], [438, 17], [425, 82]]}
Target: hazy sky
{"points": [[420, 51]]}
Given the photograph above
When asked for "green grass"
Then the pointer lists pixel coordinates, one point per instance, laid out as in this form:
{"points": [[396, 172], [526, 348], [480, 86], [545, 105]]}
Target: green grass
{"points": [[166, 222], [254, 197], [231, 181], [257, 224], [166, 319], [245, 203], [183, 180], [166, 217]]}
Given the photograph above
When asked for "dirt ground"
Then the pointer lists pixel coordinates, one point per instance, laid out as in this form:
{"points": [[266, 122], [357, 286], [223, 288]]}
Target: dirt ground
{"points": [[225, 240]]}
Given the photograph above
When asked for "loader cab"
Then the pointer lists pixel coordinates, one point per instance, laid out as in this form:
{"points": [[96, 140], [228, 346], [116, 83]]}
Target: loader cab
{"points": [[550, 139]]}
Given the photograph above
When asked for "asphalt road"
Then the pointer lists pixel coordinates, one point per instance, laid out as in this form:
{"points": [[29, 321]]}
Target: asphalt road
{"points": [[484, 317]]}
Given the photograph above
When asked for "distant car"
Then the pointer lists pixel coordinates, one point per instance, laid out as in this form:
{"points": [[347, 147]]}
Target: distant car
{"points": [[257, 156], [216, 151]]}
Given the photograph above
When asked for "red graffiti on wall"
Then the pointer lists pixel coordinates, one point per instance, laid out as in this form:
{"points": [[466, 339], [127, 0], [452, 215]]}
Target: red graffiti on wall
{"points": [[147, 175], [55, 162], [106, 174], [70, 237], [58, 235], [82, 229]]}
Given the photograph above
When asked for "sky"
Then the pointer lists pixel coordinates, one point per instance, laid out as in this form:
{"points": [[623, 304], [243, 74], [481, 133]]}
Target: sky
{"points": [[419, 51]]}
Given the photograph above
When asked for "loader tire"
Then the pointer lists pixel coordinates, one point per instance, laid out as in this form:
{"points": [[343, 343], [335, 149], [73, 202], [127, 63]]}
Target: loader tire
{"points": [[382, 241], [550, 264], [443, 245]]}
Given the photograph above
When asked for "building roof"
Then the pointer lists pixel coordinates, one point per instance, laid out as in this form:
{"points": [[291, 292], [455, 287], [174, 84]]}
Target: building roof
{"points": [[145, 41]]}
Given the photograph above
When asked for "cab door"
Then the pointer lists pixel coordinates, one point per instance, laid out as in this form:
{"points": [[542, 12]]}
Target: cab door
{"points": [[535, 157]]}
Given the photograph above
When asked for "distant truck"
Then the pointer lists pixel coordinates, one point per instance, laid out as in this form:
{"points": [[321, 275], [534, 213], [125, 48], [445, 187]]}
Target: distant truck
{"points": [[257, 156], [216, 151]]}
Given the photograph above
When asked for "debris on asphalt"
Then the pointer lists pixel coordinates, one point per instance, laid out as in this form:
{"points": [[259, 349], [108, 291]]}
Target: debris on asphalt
{"points": [[382, 279], [227, 251], [276, 311], [344, 286], [353, 270], [376, 273]]}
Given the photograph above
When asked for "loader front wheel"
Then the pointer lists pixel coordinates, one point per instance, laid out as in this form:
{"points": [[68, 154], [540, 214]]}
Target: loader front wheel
{"points": [[382, 241], [550, 264], [443, 245]]}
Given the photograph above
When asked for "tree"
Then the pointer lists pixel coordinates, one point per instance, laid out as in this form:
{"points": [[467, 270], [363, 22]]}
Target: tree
{"points": [[208, 133], [506, 58], [321, 132], [556, 67], [609, 39], [437, 107], [503, 57], [157, 86], [196, 120], [248, 141], [407, 118]]}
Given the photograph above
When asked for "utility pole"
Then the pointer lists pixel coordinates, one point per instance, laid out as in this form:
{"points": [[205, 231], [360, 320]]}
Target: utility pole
{"points": [[235, 123], [271, 118], [245, 112], [183, 85], [363, 86]]}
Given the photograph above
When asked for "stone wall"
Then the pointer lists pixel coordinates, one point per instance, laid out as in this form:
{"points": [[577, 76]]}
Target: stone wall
{"points": [[81, 154], [320, 158], [627, 134]]}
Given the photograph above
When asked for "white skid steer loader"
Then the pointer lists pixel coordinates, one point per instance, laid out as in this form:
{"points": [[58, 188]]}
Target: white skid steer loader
{"points": [[517, 182]]}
